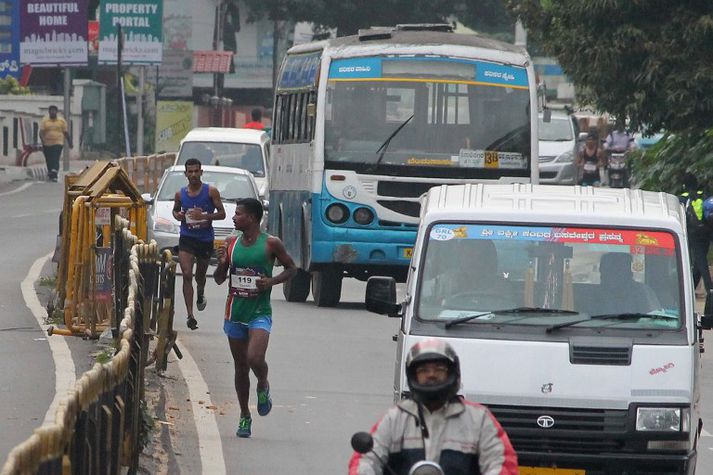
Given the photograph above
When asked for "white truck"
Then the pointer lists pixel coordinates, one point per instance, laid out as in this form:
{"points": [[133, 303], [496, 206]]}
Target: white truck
{"points": [[572, 311]]}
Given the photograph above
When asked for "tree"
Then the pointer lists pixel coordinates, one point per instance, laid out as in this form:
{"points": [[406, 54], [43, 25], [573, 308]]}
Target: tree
{"points": [[649, 61]]}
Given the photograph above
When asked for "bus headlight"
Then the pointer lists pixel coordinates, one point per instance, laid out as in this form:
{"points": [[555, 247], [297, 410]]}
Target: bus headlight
{"points": [[663, 419], [337, 213], [363, 216]]}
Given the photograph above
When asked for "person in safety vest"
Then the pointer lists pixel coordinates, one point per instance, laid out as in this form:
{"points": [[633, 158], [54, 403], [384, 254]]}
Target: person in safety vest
{"points": [[436, 424], [692, 199]]}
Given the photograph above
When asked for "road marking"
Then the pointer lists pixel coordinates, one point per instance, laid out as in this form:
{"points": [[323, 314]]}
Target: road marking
{"points": [[64, 372], [209, 442], [705, 433], [17, 190]]}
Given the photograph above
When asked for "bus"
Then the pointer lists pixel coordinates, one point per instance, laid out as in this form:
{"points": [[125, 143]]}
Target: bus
{"points": [[363, 125]]}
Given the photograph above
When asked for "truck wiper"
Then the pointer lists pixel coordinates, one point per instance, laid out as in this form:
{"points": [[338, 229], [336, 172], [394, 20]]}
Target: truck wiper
{"points": [[466, 318], [536, 310], [386, 143], [606, 316]]}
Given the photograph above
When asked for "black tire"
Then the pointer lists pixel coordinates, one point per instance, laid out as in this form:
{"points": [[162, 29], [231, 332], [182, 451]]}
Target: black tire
{"points": [[326, 287], [297, 288]]}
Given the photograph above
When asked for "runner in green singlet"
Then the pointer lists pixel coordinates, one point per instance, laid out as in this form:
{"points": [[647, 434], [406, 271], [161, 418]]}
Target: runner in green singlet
{"points": [[247, 260]]}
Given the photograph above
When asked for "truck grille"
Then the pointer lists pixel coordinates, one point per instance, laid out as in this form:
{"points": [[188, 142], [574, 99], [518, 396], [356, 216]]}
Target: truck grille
{"points": [[574, 430], [615, 356]]}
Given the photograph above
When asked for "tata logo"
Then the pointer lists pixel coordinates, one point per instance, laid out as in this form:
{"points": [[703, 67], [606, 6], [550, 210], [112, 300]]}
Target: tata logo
{"points": [[545, 422]]}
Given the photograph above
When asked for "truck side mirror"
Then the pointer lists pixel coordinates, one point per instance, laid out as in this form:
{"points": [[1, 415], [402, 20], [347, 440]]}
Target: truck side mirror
{"points": [[147, 198], [546, 115], [381, 296]]}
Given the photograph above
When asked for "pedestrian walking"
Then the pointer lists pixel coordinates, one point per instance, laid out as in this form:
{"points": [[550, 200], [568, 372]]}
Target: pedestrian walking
{"points": [[256, 123], [699, 236], [247, 260], [53, 132], [196, 206]]}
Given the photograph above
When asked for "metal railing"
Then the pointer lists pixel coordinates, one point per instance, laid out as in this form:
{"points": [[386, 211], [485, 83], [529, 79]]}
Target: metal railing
{"points": [[97, 426]]}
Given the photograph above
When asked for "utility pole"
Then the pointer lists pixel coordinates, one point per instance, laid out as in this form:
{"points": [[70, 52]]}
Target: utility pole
{"points": [[67, 114]]}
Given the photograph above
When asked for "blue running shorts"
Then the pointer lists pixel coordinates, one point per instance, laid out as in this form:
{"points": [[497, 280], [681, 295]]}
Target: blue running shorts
{"points": [[239, 331]]}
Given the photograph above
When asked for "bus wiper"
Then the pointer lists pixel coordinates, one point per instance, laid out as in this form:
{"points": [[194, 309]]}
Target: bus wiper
{"points": [[605, 316], [536, 310], [466, 318], [386, 143]]}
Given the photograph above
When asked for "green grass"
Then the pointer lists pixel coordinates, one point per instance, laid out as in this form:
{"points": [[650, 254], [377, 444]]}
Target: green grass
{"points": [[48, 280]]}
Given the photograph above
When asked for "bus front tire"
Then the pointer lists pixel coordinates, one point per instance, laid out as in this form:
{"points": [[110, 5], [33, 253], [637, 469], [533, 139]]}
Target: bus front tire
{"points": [[297, 288], [326, 287]]}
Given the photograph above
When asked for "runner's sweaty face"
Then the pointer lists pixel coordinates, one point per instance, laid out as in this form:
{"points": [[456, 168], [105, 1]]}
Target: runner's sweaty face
{"points": [[193, 173], [242, 219]]}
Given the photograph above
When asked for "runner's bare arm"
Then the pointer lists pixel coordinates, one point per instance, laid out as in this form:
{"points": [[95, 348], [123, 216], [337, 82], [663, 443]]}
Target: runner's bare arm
{"points": [[221, 271], [277, 249], [218, 203], [177, 212]]}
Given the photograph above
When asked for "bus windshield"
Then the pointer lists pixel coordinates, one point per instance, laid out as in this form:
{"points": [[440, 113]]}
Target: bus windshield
{"points": [[465, 117]]}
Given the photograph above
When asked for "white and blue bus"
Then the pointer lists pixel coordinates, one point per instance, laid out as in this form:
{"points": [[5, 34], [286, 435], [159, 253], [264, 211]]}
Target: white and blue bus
{"points": [[364, 125]]}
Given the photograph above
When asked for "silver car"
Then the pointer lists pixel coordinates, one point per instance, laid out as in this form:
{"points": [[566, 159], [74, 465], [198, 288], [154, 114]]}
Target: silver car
{"points": [[558, 149], [232, 183]]}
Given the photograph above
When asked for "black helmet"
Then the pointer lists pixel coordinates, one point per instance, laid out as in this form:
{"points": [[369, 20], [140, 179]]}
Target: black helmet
{"points": [[433, 349]]}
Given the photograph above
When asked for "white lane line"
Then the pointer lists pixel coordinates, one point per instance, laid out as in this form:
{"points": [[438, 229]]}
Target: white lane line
{"points": [[17, 190], [64, 372], [705, 433], [209, 442]]}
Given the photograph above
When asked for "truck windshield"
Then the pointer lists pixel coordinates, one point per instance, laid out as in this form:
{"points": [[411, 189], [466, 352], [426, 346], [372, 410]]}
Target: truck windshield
{"points": [[465, 119], [525, 275]]}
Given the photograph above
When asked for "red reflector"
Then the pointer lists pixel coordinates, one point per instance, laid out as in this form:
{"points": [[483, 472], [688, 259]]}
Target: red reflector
{"points": [[337, 178]]}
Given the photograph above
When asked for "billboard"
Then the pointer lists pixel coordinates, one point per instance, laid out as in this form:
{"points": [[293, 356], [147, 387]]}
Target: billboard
{"points": [[141, 24], [173, 121], [9, 38], [53, 32]]}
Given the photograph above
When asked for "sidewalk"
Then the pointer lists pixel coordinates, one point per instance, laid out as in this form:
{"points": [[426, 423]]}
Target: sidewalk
{"points": [[11, 173]]}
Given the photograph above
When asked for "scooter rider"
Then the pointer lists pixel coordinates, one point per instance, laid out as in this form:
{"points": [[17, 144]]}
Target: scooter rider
{"points": [[437, 425], [619, 140]]}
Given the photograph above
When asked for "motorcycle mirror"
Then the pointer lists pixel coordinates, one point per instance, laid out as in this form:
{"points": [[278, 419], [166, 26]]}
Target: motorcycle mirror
{"points": [[362, 442], [426, 468]]}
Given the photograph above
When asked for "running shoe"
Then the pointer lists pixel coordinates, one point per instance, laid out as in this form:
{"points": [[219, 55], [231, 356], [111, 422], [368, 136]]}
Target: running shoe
{"points": [[192, 322], [264, 401], [201, 302], [244, 427]]}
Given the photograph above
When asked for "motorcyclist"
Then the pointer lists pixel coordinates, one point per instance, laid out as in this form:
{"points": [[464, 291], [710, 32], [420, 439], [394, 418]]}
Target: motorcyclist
{"points": [[437, 425], [619, 140]]}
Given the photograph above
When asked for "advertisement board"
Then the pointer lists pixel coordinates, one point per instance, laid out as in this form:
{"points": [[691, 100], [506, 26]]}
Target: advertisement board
{"points": [[141, 25], [173, 121], [9, 38], [53, 32]]}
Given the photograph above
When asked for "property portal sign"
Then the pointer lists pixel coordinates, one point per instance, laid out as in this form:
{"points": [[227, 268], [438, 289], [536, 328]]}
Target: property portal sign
{"points": [[141, 27], [53, 32]]}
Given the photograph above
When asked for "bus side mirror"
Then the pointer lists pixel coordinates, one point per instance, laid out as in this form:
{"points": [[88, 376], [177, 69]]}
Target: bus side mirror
{"points": [[706, 320], [381, 296], [546, 115]]}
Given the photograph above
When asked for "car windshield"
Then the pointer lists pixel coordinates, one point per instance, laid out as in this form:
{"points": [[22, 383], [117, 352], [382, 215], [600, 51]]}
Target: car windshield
{"points": [[505, 274], [558, 129], [455, 122], [226, 154], [231, 186]]}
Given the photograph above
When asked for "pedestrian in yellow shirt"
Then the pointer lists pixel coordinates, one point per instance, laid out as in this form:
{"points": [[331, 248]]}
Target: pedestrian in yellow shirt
{"points": [[53, 131]]}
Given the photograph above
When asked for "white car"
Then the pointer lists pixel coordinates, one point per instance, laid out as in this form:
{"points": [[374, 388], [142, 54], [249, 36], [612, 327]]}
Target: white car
{"points": [[229, 147], [558, 140], [232, 183]]}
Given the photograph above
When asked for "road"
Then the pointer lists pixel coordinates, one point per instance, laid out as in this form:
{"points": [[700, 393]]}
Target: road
{"points": [[331, 370]]}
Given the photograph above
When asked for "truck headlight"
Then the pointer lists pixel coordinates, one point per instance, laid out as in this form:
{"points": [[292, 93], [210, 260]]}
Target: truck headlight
{"points": [[566, 157], [663, 419], [164, 225]]}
